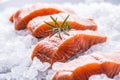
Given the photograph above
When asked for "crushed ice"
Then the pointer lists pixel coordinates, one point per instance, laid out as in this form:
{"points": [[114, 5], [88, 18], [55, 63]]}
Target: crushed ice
{"points": [[16, 46]]}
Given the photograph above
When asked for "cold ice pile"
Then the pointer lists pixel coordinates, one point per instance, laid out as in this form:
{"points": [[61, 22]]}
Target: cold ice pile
{"points": [[16, 46]]}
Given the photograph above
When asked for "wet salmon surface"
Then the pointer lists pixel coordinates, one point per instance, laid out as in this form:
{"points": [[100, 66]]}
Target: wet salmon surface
{"points": [[95, 63], [38, 28], [24, 15], [54, 49]]}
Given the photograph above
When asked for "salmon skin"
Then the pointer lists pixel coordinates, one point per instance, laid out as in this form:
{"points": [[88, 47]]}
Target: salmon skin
{"points": [[38, 28], [85, 66], [24, 15], [54, 49]]}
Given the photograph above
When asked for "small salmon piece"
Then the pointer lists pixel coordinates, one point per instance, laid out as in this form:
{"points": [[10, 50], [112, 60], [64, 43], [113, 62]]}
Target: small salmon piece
{"points": [[11, 18], [82, 63], [85, 66], [24, 15], [54, 49], [38, 28], [113, 57]]}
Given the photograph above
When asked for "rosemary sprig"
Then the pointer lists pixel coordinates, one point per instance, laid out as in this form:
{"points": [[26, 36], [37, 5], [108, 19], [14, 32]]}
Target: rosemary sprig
{"points": [[57, 28]]}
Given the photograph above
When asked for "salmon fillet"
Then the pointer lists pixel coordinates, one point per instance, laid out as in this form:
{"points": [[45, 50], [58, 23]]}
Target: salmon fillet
{"points": [[54, 49], [87, 65], [38, 28], [25, 14]]}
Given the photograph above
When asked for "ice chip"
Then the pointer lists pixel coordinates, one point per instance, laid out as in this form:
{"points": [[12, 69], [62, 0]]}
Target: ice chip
{"points": [[57, 65]]}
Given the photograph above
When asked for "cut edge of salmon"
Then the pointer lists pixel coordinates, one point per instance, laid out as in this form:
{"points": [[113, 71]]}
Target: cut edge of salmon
{"points": [[36, 53], [80, 38], [106, 65], [65, 47], [21, 22], [64, 75], [84, 72], [11, 18], [41, 30]]}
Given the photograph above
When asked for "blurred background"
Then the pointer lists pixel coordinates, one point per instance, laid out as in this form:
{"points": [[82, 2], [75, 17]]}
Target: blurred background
{"points": [[7, 3]]}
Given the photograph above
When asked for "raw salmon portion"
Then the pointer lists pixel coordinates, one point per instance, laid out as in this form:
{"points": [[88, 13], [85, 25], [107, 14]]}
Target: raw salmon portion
{"points": [[11, 18], [85, 66], [54, 49], [24, 15], [38, 28]]}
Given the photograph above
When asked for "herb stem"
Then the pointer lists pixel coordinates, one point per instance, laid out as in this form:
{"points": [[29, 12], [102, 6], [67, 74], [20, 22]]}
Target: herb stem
{"points": [[57, 28]]}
